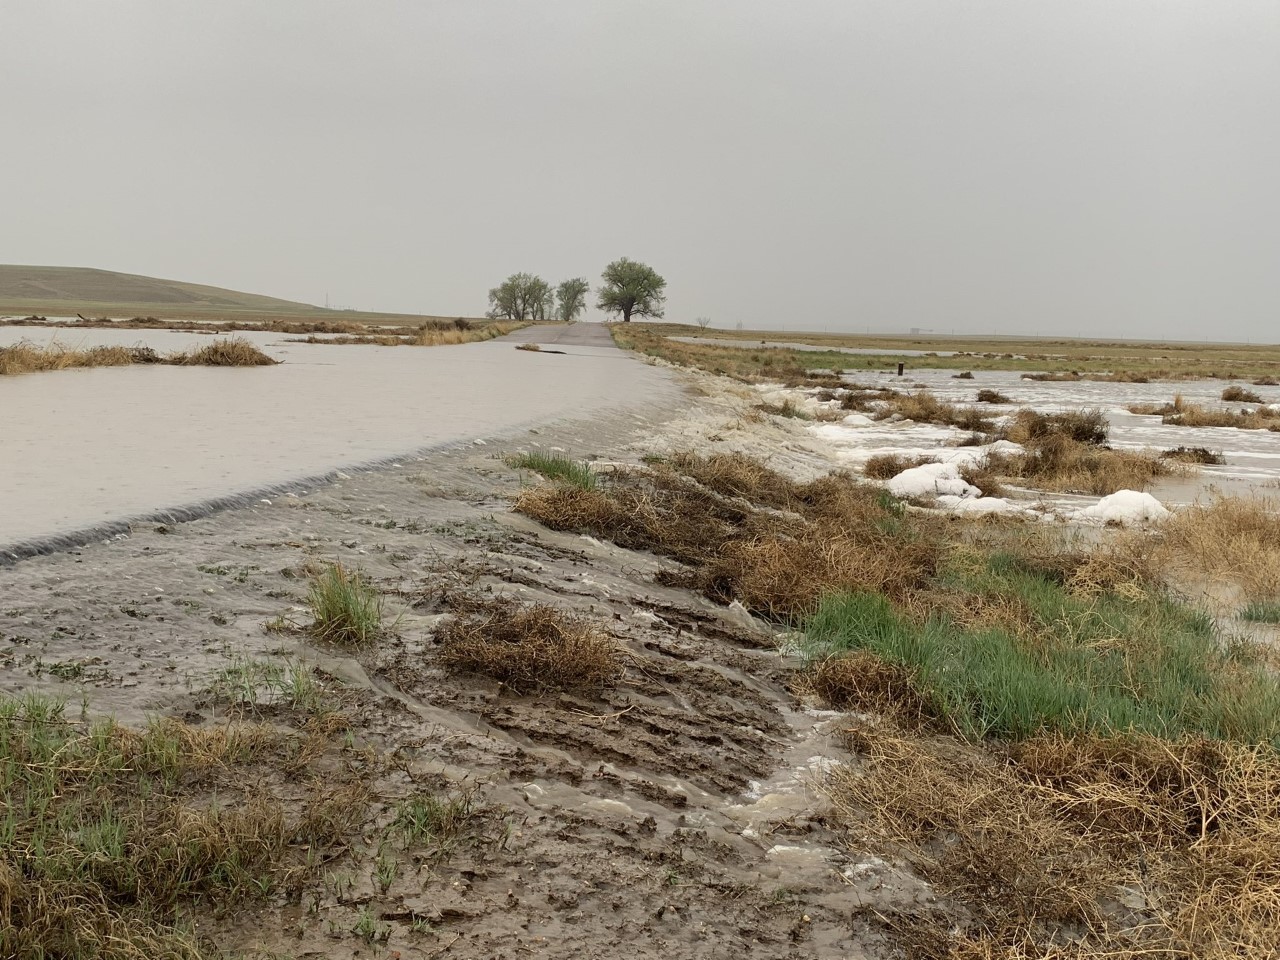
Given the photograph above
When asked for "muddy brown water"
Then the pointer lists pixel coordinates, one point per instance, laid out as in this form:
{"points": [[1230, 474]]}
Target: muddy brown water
{"points": [[677, 814], [83, 451]]}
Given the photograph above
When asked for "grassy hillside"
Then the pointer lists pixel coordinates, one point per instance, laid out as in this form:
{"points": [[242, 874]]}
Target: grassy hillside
{"points": [[67, 291]]}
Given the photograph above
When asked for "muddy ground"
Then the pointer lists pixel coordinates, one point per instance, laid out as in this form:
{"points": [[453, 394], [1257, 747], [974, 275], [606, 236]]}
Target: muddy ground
{"points": [[677, 814]]}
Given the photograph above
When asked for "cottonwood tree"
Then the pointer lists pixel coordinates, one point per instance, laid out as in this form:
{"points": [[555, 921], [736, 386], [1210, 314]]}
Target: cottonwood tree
{"points": [[632, 289], [703, 322], [522, 296], [571, 299]]}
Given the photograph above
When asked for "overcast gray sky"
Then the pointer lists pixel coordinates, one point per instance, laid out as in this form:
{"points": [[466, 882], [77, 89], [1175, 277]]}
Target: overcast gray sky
{"points": [[1104, 167]]}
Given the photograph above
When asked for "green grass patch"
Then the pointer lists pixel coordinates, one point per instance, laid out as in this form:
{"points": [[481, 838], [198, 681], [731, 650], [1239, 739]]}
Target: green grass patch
{"points": [[1262, 611], [98, 849], [1099, 664], [557, 466], [346, 608]]}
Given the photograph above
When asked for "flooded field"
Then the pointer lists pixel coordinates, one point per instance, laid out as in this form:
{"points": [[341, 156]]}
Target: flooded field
{"points": [[1252, 456], [88, 448]]}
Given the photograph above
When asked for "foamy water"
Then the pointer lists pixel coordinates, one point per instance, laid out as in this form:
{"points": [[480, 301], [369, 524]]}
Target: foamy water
{"points": [[87, 448], [1252, 456]]}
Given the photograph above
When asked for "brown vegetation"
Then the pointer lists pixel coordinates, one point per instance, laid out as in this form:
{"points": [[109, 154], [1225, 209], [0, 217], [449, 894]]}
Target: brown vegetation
{"points": [[1082, 426], [1059, 463], [992, 396], [1198, 455], [924, 407], [1183, 414], [1238, 394], [1077, 847], [528, 647], [885, 466], [1231, 541], [829, 535], [25, 357]]}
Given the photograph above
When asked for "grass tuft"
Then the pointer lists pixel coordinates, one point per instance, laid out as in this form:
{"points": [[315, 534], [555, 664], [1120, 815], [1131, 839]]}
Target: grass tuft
{"points": [[346, 608], [886, 466], [1262, 611], [1238, 394], [1196, 455], [557, 466], [529, 647], [26, 357], [1231, 541]]}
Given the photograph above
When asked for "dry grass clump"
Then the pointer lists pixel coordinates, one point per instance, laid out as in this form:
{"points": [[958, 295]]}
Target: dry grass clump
{"points": [[1059, 463], [1233, 541], [885, 466], [1266, 382], [1082, 426], [924, 407], [1198, 455], [25, 357], [1239, 394], [434, 335], [777, 553], [531, 347], [861, 680], [529, 647], [229, 352], [992, 396], [785, 409], [1183, 414], [737, 475], [1078, 847]]}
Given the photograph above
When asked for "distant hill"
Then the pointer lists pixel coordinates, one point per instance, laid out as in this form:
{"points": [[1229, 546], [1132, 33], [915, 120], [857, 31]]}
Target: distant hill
{"points": [[67, 291]]}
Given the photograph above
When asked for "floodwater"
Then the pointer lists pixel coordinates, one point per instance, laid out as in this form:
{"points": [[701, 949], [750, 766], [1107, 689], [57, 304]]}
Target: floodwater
{"points": [[86, 449], [1252, 456]]}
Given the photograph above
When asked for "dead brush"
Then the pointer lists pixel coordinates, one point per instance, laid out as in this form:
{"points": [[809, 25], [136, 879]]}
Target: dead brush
{"points": [[529, 647], [830, 534], [1232, 540], [784, 577], [431, 335], [886, 466], [1058, 462], [924, 407], [737, 475], [1179, 413], [228, 352], [27, 357], [1083, 426], [1039, 843], [1195, 455], [1239, 394], [860, 680]]}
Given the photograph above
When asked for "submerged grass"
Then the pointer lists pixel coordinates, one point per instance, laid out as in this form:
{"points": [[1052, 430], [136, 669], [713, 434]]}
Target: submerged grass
{"points": [[557, 466], [1261, 611], [1233, 542]]}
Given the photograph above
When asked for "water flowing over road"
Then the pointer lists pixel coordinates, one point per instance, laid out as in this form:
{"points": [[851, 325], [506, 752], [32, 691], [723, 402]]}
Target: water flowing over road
{"points": [[89, 449]]}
